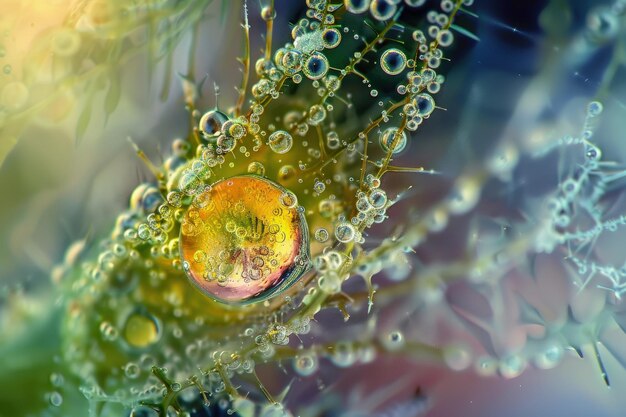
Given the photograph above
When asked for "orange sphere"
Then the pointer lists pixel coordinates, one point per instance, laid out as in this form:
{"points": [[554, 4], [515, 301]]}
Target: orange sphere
{"points": [[244, 239]]}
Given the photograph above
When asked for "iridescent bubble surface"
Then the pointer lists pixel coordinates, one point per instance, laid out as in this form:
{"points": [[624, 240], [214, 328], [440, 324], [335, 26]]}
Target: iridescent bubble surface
{"points": [[244, 239]]}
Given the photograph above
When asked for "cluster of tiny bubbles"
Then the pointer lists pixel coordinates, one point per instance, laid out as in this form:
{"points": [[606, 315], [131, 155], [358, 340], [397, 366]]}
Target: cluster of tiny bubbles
{"points": [[191, 180], [581, 185], [393, 61], [228, 133], [270, 72], [279, 333], [393, 137], [206, 220], [329, 266], [332, 83], [307, 41], [371, 208]]}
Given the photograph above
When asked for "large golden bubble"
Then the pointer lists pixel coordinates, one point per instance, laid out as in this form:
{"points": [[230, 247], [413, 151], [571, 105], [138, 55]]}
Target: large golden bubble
{"points": [[244, 239]]}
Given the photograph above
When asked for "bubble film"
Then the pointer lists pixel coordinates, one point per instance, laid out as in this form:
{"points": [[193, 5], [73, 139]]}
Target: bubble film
{"points": [[244, 239]]}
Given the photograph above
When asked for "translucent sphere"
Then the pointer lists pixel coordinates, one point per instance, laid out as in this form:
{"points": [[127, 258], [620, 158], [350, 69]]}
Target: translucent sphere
{"points": [[344, 232], [211, 123], [393, 61], [141, 330], [316, 66], [280, 141], [331, 38], [382, 9], [246, 242], [357, 6], [390, 138], [424, 104]]}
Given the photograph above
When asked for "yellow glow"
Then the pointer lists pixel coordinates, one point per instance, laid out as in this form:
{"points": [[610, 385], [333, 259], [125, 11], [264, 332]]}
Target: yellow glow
{"points": [[140, 330], [245, 238]]}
